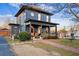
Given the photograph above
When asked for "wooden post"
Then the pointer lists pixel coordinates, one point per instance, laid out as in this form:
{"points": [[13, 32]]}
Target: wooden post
{"points": [[40, 28], [48, 29], [56, 30], [30, 28]]}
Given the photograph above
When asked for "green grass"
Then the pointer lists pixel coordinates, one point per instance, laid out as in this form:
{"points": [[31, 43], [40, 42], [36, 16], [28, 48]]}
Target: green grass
{"points": [[67, 42], [10, 41], [51, 49]]}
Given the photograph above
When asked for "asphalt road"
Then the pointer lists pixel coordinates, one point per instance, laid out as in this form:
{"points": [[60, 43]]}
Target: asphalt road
{"points": [[5, 49]]}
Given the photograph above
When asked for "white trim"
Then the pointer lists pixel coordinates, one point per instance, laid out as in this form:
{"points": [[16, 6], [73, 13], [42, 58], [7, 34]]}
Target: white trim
{"points": [[27, 23], [39, 16], [47, 18]]}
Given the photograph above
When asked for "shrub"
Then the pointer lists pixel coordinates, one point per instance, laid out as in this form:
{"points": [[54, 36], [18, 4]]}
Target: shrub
{"points": [[44, 34], [48, 36], [23, 36]]}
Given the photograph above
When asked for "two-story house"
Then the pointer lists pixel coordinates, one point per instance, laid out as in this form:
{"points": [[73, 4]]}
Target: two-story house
{"points": [[33, 20]]}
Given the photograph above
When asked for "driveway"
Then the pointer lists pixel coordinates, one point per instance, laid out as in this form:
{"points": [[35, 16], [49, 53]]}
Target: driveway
{"points": [[5, 49], [29, 50]]}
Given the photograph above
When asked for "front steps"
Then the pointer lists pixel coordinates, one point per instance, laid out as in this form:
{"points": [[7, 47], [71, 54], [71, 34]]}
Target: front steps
{"points": [[34, 38]]}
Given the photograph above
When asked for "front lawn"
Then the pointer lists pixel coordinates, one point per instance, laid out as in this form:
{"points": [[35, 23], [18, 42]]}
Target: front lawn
{"points": [[16, 41], [10, 41], [67, 42], [52, 50]]}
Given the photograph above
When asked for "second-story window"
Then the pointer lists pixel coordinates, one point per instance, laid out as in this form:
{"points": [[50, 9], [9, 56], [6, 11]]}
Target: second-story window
{"points": [[24, 15], [43, 17], [47, 18], [32, 14], [19, 20], [39, 16]]}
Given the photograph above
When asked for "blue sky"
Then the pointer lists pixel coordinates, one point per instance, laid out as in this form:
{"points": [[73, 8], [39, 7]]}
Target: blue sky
{"points": [[6, 8], [7, 11], [62, 15]]}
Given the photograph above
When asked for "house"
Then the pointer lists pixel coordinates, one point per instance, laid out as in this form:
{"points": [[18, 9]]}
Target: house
{"points": [[33, 20], [4, 32]]}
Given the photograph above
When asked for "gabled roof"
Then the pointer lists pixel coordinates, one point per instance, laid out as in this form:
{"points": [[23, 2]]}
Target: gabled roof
{"points": [[33, 9], [4, 29]]}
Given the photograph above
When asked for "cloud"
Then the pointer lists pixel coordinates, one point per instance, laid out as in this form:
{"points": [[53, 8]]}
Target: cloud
{"points": [[6, 18], [7, 15], [16, 5], [63, 22], [46, 7]]}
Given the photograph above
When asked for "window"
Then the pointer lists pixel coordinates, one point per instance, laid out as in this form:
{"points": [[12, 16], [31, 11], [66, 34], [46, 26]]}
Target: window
{"points": [[19, 20], [47, 18], [32, 14], [43, 17], [39, 16], [24, 16]]}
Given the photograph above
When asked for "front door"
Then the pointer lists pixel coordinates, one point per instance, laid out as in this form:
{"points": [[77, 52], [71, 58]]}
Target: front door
{"points": [[34, 30]]}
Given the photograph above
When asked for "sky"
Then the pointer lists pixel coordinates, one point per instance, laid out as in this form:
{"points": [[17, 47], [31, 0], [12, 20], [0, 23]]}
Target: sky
{"points": [[62, 14]]}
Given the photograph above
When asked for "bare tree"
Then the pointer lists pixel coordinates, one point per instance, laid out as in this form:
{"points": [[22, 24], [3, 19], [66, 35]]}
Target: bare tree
{"points": [[73, 11]]}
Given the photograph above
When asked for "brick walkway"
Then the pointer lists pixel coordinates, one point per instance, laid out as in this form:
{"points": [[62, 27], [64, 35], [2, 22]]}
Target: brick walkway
{"points": [[76, 50]]}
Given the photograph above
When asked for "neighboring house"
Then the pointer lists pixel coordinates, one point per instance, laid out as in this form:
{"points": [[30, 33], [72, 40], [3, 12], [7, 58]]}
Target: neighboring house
{"points": [[76, 30], [33, 20], [4, 32], [62, 33]]}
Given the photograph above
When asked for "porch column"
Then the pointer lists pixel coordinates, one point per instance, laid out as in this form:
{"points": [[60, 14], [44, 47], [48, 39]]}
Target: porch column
{"points": [[49, 29], [41, 29], [30, 28], [56, 30]]}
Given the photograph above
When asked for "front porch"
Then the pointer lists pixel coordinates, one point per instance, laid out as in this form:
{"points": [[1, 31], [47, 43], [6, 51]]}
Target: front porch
{"points": [[35, 28]]}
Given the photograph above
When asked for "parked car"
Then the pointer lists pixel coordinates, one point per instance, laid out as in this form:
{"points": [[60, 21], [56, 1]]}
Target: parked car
{"points": [[76, 37]]}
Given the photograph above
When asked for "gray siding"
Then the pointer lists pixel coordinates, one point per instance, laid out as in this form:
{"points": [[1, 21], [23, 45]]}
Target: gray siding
{"points": [[25, 15], [28, 15], [35, 17], [21, 20]]}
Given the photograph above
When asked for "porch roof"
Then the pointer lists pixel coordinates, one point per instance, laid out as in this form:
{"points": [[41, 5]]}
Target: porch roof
{"points": [[13, 24], [41, 22]]}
